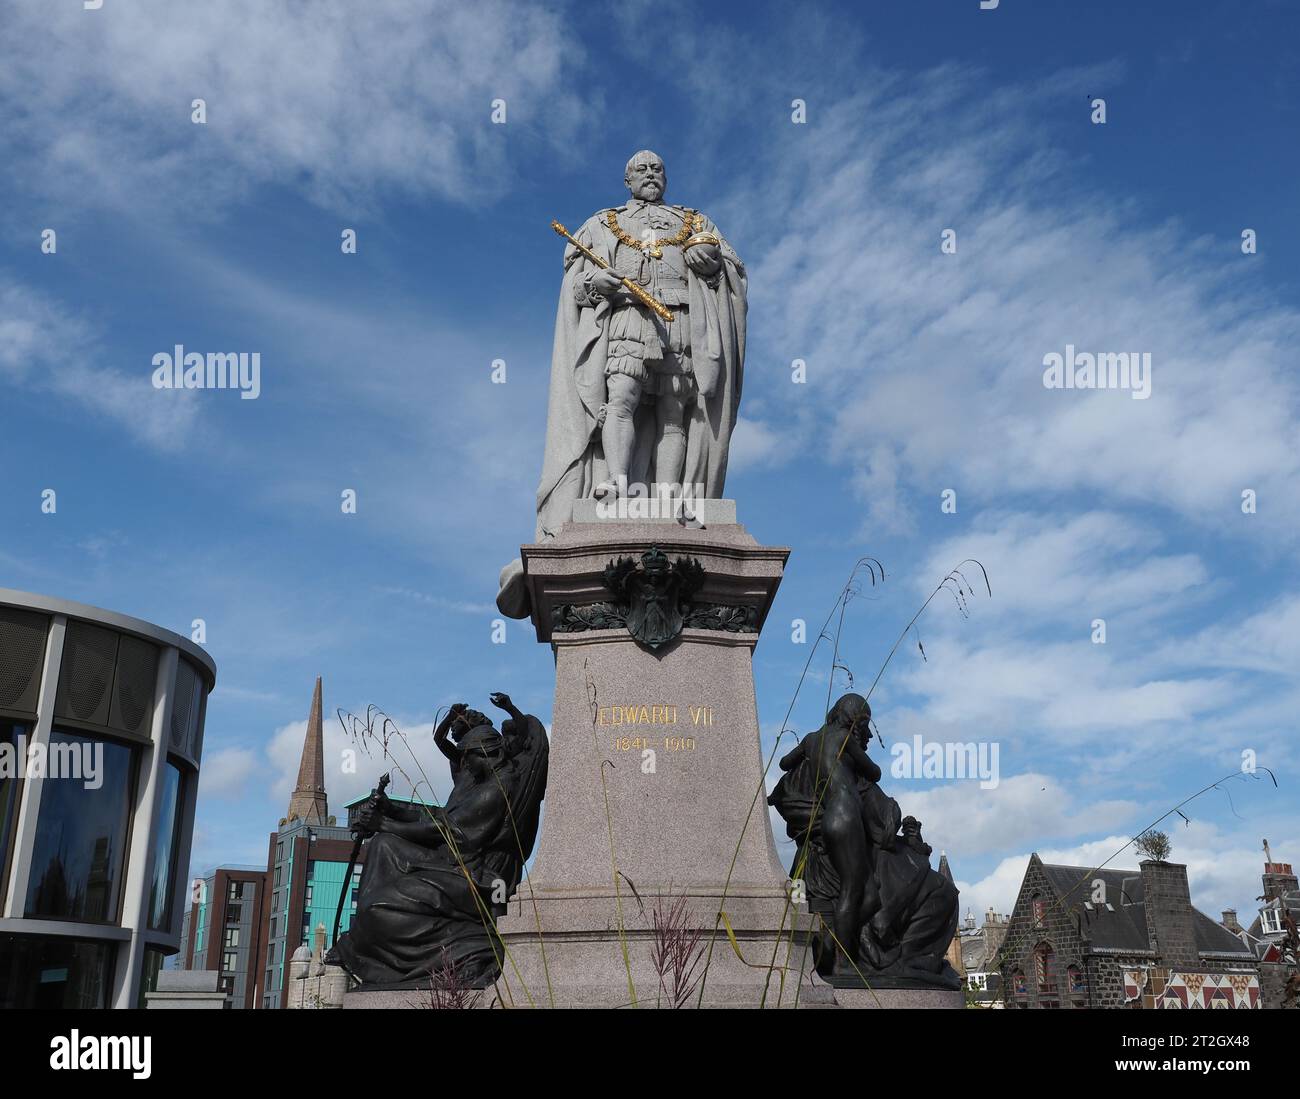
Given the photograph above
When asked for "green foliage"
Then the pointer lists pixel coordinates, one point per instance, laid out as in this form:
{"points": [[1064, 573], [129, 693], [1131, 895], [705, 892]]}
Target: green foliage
{"points": [[1154, 845]]}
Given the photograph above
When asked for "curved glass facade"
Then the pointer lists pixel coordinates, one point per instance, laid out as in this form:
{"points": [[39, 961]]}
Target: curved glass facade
{"points": [[101, 733], [50, 971], [13, 739], [162, 874], [82, 830]]}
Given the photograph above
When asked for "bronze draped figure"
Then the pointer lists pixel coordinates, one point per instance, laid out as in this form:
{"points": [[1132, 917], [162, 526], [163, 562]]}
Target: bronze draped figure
{"points": [[436, 878], [887, 917]]}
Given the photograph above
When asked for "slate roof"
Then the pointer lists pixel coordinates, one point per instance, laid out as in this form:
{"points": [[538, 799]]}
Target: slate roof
{"points": [[1213, 937], [1123, 925]]}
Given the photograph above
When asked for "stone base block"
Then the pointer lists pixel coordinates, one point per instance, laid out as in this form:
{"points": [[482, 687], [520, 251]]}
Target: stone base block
{"points": [[314, 986], [899, 998], [702, 512], [384, 1001], [603, 969]]}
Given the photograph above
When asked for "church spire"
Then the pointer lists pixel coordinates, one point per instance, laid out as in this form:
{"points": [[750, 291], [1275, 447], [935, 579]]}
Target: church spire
{"points": [[944, 869], [308, 802]]}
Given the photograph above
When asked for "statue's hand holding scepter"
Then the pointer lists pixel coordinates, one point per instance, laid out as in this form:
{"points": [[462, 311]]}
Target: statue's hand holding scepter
{"points": [[639, 292]]}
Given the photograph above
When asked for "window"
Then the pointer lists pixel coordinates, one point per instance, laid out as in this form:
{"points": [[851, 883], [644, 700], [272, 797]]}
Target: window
{"points": [[277, 877], [229, 961], [1270, 921], [163, 874], [272, 935], [977, 982], [234, 913], [232, 937], [307, 895], [39, 971], [1039, 907], [10, 731], [1045, 968], [1018, 983], [235, 892], [1075, 979], [279, 851], [80, 848], [153, 963]]}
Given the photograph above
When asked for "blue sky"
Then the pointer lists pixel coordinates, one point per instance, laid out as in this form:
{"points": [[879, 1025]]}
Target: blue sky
{"points": [[924, 370]]}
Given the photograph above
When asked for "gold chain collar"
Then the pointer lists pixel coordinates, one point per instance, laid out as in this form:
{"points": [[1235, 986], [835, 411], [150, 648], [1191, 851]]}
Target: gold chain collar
{"points": [[694, 222]]}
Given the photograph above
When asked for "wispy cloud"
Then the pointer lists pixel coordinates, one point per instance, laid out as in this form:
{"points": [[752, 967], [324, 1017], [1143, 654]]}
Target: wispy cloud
{"points": [[930, 366], [46, 347], [296, 94]]}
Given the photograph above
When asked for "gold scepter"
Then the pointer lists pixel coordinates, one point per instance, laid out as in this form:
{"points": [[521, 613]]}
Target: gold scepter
{"points": [[639, 292]]}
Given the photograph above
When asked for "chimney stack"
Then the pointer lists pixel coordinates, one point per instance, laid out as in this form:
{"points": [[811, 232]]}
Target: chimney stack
{"points": [[1278, 877], [1168, 904]]}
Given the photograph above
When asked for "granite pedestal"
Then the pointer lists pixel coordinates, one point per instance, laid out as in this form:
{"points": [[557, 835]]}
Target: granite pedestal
{"points": [[656, 786]]}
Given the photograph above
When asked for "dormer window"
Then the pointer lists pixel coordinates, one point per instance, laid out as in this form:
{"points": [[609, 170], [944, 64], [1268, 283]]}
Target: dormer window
{"points": [[1270, 921]]}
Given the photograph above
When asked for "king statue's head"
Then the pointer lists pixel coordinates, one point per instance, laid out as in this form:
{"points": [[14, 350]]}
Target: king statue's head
{"points": [[645, 176]]}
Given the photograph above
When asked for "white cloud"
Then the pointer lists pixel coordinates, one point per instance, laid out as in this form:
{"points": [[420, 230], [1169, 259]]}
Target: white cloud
{"points": [[754, 443], [934, 362], [441, 602], [1066, 688], [228, 773], [1046, 566], [321, 97], [967, 821], [1267, 641], [47, 348]]}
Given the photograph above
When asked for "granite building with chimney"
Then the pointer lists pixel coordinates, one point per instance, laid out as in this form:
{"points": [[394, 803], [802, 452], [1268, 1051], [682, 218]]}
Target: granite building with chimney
{"points": [[980, 947], [1081, 938], [1274, 936]]}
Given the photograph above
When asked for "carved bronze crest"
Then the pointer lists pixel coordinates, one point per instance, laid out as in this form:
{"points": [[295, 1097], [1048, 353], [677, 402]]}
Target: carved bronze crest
{"points": [[654, 600]]}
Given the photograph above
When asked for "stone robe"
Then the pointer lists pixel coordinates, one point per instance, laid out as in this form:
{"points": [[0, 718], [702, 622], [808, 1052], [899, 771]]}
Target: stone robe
{"points": [[574, 463]]}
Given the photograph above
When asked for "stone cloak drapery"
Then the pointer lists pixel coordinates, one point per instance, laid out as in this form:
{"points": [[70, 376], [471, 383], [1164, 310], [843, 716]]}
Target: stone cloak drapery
{"points": [[574, 464]]}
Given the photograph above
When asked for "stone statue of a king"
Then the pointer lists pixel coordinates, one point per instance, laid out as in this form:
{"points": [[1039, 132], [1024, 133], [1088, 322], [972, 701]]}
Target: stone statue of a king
{"points": [[637, 400]]}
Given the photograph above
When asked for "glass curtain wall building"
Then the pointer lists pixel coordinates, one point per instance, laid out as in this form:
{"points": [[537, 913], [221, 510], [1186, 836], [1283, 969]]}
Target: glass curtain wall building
{"points": [[101, 732]]}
